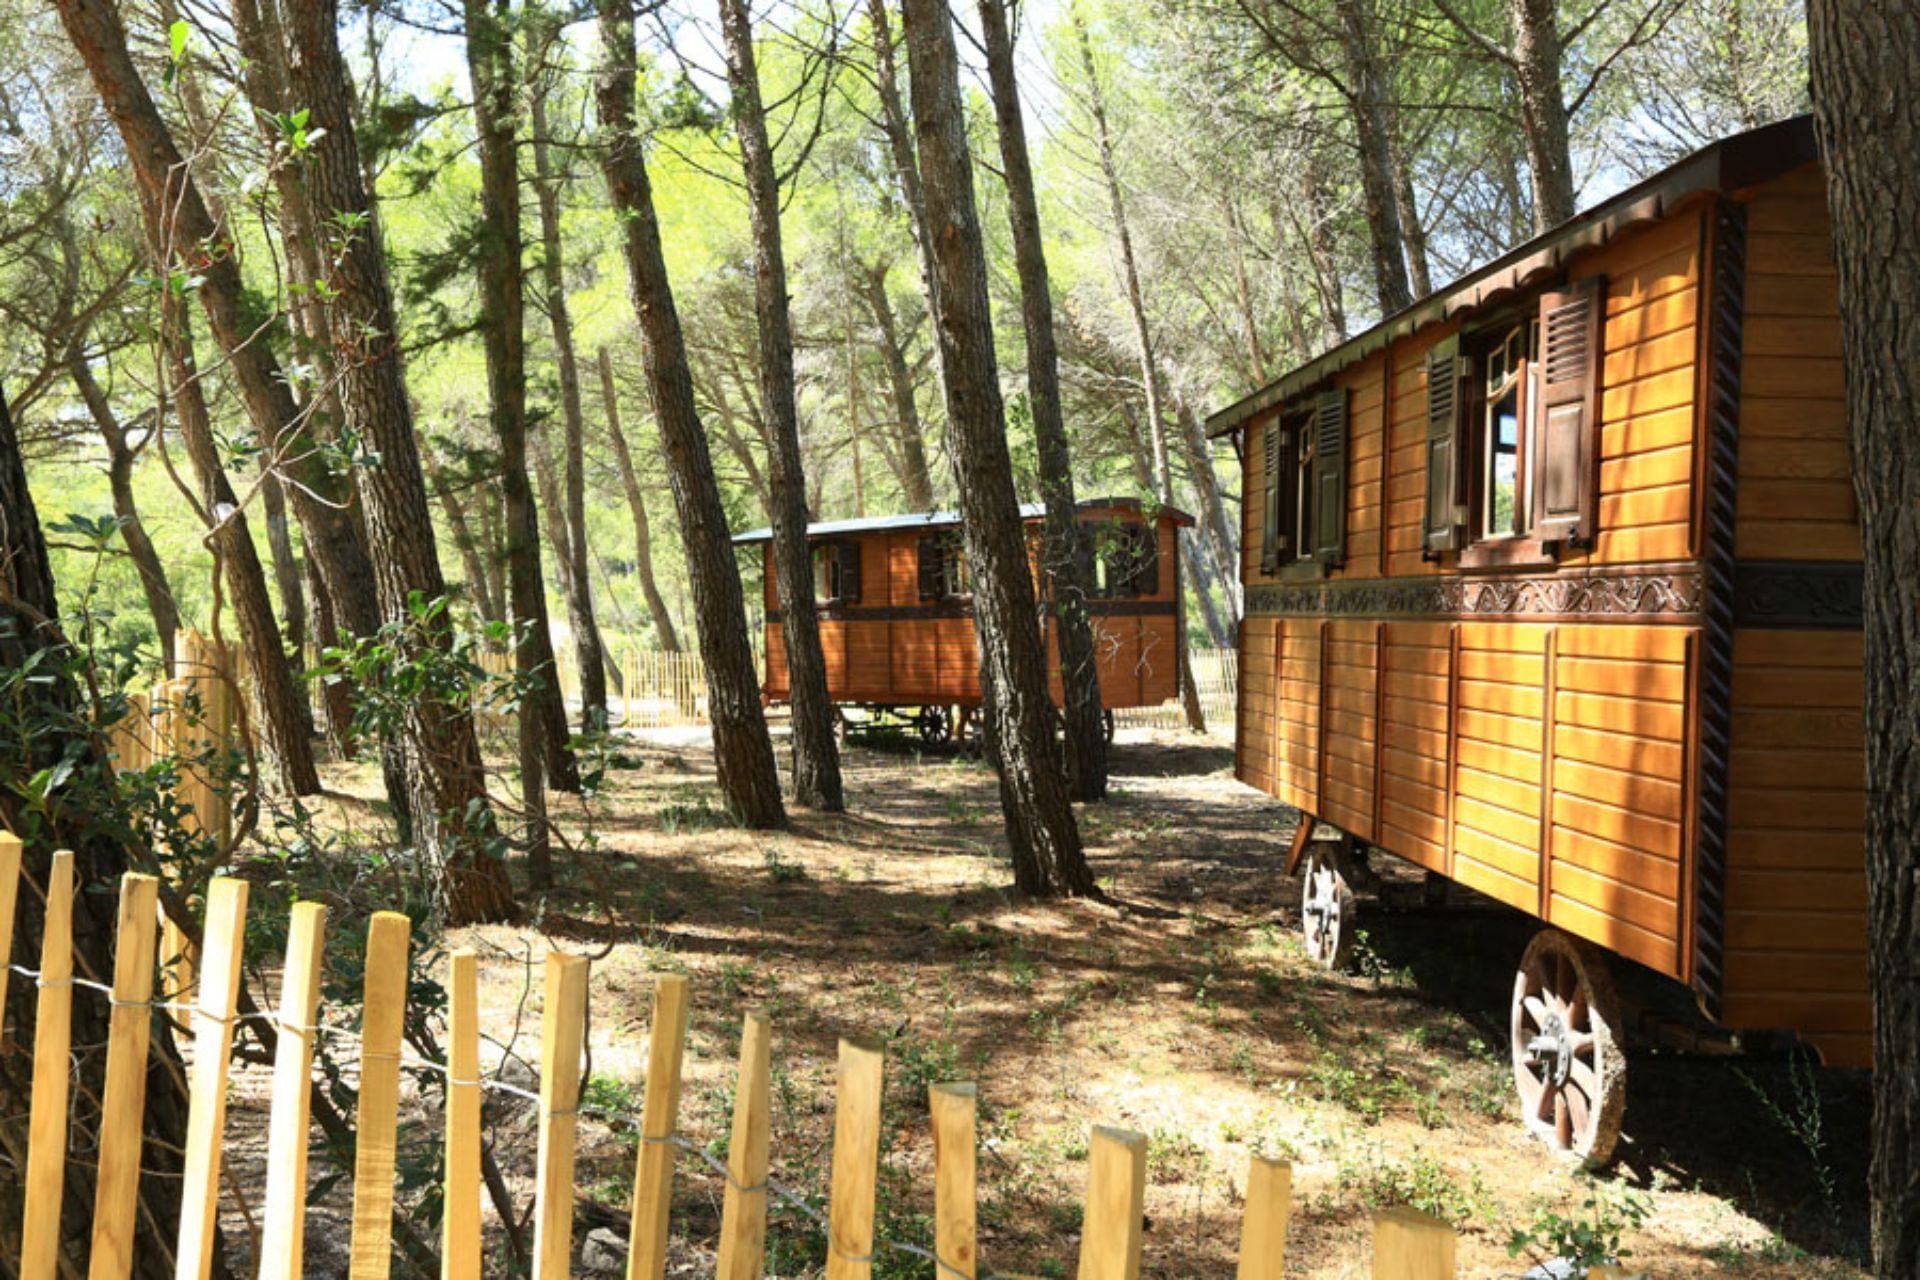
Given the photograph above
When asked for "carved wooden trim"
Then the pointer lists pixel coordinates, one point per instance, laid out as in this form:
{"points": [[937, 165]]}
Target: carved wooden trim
{"points": [[1799, 594], [1671, 593]]}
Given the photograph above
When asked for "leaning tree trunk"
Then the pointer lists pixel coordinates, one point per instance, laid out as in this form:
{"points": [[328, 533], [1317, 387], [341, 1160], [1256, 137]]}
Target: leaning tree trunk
{"points": [[816, 757], [1047, 857], [447, 795], [1086, 729], [743, 752], [1543, 109], [589, 649], [1866, 84], [915, 478], [668, 638], [44, 724], [1366, 87]]}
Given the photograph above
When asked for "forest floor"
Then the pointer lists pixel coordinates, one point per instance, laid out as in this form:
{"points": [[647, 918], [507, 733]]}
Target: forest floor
{"points": [[1183, 1009]]}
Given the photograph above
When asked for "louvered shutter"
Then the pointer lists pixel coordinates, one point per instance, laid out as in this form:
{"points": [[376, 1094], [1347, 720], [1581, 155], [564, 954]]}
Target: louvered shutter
{"points": [[1441, 527], [850, 572], [1271, 539], [930, 582], [1329, 429], [1565, 460]]}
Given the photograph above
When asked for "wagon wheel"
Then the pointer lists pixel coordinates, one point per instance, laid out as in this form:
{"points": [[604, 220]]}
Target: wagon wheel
{"points": [[935, 727], [1326, 912], [1567, 1062]]}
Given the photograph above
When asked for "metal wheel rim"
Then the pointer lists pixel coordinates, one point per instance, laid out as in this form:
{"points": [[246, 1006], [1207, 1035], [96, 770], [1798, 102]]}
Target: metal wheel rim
{"points": [[1326, 911]]}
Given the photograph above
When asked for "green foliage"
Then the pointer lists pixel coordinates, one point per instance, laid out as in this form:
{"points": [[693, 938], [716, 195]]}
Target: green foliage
{"points": [[1801, 1114], [1589, 1237]]}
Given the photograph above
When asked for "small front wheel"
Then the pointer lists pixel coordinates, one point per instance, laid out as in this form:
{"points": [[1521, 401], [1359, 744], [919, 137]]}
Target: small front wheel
{"points": [[1326, 912], [936, 729]]}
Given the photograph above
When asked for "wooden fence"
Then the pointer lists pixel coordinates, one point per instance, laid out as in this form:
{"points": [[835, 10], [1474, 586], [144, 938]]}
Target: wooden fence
{"points": [[1407, 1245], [1216, 673]]}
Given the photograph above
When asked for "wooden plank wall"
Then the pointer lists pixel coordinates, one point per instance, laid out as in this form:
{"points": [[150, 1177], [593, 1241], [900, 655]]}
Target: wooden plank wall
{"points": [[1297, 692], [1417, 667], [1796, 500], [1795, 928], [1498, 741], [1350, 725]]}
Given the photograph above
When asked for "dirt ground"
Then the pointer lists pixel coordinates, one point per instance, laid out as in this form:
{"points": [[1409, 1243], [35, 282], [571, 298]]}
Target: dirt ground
{"points": [[1183, 1008]]}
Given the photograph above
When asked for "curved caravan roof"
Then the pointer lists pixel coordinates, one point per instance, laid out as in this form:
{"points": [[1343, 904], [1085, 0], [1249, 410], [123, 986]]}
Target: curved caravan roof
{"points": [[948, 520]]}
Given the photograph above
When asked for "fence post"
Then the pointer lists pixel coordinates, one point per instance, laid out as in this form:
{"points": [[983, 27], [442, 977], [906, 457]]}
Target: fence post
{"points": [[284, 1227], [856, 1161], [1111, 1230], [47, 1122], [221, 935], [9, 888], [653, 1181], [563, 1026], [460, 1216], [116, 1190], [382, 1020], [955, 1200], [1263, 1231], [743, 1214], [1410, 1245]]}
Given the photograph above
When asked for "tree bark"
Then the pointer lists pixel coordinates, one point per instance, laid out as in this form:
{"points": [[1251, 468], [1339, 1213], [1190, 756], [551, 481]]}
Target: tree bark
{"points": [[1223, 543], [663, 629], [743, 752], [48, 734], [446, 791], [286, 568], [1323, 250], [816, 755], [588, 647], [899, 131], [1063, 538], [479, 585], [915, 478], [1866, 82], [1034, 794], [1543, 110], [1367, 96]]}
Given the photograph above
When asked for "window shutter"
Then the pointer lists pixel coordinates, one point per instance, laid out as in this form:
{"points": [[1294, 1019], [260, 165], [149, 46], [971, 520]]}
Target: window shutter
{"points": [[1146, 560], [1271, 540], [930, 581], [850, 572], [1330, 476], [1566, 427], [1441, 530]]}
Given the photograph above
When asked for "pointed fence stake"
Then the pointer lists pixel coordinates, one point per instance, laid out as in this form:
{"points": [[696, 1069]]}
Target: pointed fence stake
{"points": [[116, 1191], [563, 1027], [382, 1020], [460, 1221], [47, 1121], [743, 1214], [284, 1215], [954, 1108], [653, 1180], [856, 1161], [1111, 1229], [222, 935]]}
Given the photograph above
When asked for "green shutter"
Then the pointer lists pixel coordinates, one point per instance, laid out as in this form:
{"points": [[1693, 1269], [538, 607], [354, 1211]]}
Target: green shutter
{"points": [[1329, 429], [1271, 540], [1440, 530]]}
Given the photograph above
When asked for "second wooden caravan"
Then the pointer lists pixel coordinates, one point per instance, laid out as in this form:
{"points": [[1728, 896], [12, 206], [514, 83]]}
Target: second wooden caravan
{"points": [[896, 612]]}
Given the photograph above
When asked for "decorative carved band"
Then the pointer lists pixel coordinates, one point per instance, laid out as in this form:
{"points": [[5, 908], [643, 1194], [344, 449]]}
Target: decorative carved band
{"points": [[1786, 593], [962, 607], [1669, 594]]}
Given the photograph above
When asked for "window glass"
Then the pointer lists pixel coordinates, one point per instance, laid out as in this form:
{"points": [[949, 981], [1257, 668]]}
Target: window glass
{"points": [[1303, 493], [1503, 460]]}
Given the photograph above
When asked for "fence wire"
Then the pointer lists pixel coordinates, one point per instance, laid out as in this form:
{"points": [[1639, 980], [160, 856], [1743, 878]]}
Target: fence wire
{"points": [[792, 1197]]}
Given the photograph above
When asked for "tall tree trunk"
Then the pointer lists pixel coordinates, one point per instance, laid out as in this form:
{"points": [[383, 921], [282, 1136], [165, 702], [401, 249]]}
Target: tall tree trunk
{"points": [[816, 756], [899, 131], [587, 644], [1243, 294], [446, 787], [493, 549], [479, 585], [1064, 539], [1034, 794], [1543, 109], [915, 477], [133, 530], [1366, 85], [48, 734], [737, 445], [663, 631], [1866, 82], [286, 568], [742, 750], [1223, 544], [1323, 249], [1412, 229], [490, 66]]}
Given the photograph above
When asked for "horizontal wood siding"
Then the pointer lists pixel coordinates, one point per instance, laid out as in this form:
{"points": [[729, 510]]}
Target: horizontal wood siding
{"points": [[1795, 936], [1296, 739], [1499, 732], [1406, 461], [1350, 711], [1366, 466], [1416, 667], [1796, 498], [1254, 743]]}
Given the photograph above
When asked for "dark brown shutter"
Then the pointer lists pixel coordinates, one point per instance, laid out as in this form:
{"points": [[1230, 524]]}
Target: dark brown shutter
{"points": [[930, 557], [850, 572], [1565, 461], [1146, 559], [1329, 429], [1441, 528], [1271, 540]]}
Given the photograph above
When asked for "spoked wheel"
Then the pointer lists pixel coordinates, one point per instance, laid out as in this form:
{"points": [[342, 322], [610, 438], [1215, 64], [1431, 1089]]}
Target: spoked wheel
{"points": [[1567, 1062], [1326, 912], [934, 726]]}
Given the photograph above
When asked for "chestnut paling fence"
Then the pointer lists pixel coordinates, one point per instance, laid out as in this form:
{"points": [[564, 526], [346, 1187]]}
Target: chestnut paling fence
{"points": [[1407, 1245]]}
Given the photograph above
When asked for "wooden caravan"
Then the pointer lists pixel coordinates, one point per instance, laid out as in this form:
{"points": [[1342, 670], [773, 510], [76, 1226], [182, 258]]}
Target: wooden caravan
{"points": [[1553, 588], [896, 611]]}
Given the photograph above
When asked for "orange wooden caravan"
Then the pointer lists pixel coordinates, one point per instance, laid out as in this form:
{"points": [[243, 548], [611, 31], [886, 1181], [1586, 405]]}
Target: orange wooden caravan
{"points": [[896, 611], [1553, 588]]}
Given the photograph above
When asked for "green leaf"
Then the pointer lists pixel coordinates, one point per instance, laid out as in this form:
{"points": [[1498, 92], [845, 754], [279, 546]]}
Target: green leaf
{"points": [[177, 39]]}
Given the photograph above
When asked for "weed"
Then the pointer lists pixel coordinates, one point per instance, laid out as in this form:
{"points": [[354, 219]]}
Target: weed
{"points": [[1587, 1238], [1173, 1156], [1420, 1182], [1803, 1116], [699, 814], [780, 871], [918, 1064]]}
